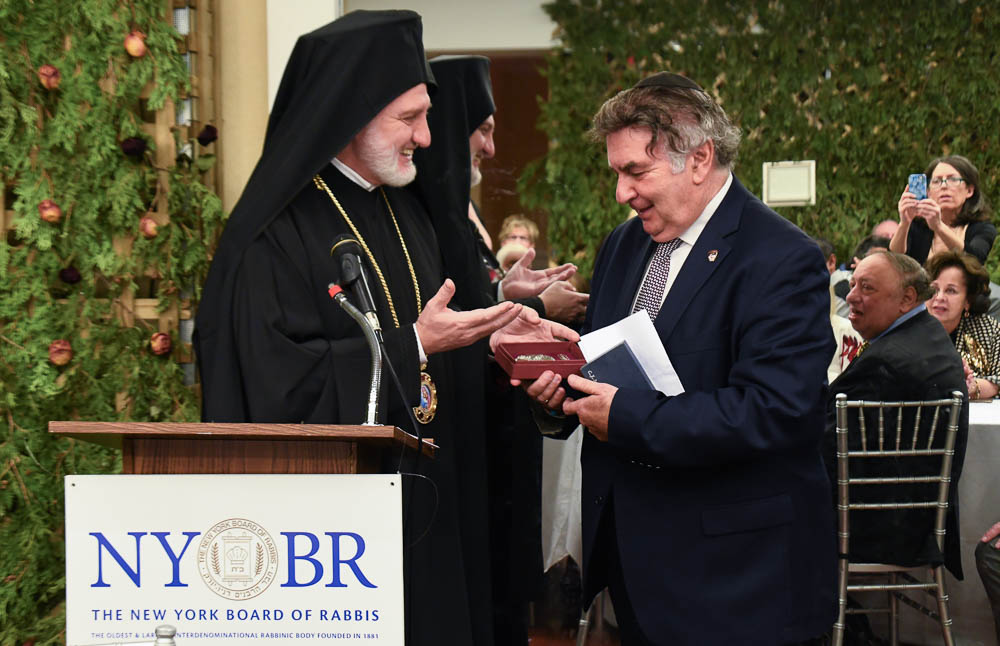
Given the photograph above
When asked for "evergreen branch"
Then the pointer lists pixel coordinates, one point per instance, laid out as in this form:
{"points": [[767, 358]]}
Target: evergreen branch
{"points": [[14, 425], [62, 458], [16, 345], [20, 481], [28, 69], [31, 454], [14, 578]]}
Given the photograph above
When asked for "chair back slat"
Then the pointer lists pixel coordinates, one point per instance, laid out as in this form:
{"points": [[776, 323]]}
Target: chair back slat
{"points": [[881, 428], [930, 438], [864, 433], [899, 432]]}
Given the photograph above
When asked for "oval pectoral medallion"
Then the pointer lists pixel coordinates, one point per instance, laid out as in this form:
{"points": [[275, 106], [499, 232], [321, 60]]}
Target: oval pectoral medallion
{"points": [[428, 399]]}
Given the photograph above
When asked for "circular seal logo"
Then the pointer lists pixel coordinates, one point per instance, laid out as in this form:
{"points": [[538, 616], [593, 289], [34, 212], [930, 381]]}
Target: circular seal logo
{"points": [[237, 559]]}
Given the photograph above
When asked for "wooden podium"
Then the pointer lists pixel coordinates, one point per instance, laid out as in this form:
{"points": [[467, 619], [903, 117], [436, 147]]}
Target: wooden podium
{"points": [[149, 448]]}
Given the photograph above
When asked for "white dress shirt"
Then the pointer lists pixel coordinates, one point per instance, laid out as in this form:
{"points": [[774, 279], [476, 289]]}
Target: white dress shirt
{"points": [[688, 239], [353, 175]]}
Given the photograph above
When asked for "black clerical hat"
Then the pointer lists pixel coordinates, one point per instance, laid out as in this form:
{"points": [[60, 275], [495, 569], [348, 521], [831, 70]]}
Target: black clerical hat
{"points": [[464, 99], [465, 87]]}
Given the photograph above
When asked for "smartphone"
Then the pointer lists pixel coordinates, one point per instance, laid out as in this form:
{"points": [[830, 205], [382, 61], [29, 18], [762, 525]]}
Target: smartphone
{"points": [[918, 185]]}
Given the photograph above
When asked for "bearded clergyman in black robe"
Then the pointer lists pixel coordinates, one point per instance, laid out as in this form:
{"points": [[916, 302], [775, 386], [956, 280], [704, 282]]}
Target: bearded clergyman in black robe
{"points": [[272, 345]]}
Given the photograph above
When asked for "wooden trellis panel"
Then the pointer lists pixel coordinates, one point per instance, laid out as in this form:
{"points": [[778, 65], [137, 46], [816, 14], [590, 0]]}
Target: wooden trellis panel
{"points": [[185, 117]]}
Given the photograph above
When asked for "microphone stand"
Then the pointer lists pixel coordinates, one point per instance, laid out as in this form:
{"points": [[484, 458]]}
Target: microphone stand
{"points": [[374, 347]]}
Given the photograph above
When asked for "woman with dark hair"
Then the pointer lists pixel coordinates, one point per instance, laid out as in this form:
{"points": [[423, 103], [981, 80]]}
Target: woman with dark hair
{"points": [[955, 216], [960, 301]]}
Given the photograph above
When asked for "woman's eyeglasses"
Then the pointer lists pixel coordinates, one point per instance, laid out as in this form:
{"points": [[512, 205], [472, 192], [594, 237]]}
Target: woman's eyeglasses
{"points": [[938, 182]]}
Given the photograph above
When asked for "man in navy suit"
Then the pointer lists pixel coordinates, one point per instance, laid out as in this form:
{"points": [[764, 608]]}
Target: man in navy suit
{"points": [[708, 514]]}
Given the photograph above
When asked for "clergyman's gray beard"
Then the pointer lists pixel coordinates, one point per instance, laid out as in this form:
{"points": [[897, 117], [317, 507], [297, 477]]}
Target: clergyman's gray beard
{"points": [[382, 160], [476, 177], [397, 176], [388, 171]]}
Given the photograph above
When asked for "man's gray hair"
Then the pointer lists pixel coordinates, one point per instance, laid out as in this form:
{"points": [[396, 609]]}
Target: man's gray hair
{"points": [[911, 274], [681, 118]]}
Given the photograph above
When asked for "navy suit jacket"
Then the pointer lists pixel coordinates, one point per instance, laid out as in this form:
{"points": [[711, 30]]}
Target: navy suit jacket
{"points": [[721, 503]]}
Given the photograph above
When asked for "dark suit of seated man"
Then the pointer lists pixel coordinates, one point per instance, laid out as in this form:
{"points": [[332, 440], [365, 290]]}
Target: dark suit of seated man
{"points": [[908, 357]]}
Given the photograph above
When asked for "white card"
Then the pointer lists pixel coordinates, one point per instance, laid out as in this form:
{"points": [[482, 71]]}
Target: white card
{"points": [[642, 338]]}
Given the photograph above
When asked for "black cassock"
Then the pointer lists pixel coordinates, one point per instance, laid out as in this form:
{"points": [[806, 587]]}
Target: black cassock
{"points": [[272, 346], [303, 359]]}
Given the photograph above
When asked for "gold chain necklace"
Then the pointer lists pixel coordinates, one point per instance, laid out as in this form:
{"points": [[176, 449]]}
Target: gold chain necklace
{"points": [[428, 391], [320, 184]]}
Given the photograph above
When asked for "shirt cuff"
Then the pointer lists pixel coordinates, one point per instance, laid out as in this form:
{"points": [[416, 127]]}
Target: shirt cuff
{"points": [[420, 346], [500, 298]]}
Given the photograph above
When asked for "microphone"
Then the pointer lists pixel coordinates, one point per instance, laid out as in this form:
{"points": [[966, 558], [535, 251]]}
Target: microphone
{"points": [[349, 273]]}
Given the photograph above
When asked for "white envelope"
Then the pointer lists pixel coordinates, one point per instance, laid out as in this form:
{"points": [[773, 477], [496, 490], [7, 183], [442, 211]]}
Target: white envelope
{"points": [[638, 330]]}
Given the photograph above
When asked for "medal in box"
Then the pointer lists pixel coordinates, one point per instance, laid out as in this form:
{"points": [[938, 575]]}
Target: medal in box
{"points": [[529, 360]]}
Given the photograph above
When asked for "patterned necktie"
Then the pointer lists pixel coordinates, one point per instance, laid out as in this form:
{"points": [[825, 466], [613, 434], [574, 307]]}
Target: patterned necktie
{"points": [[651, 293]]}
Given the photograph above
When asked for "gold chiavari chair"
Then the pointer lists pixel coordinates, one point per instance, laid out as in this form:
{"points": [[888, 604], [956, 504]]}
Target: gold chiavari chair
{"points": [[918, 433]]}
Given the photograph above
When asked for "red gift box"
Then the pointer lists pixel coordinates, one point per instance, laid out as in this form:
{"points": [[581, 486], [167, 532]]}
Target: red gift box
{"points": [[507, 353]]}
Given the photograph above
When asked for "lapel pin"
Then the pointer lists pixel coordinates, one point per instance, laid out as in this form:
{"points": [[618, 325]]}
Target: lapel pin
{"points": [[712, 255]]}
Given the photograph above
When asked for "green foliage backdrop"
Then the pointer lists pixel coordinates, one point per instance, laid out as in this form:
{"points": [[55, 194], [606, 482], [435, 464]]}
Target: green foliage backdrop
{"points": [[872, 91], [64, 145]]}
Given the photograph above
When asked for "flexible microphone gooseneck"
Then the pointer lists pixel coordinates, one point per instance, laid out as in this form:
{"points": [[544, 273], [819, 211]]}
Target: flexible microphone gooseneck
{"points": [[374, 347]]}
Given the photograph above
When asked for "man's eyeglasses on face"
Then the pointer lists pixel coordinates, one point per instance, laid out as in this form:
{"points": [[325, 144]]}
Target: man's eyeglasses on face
{"points": [[938, 182]]}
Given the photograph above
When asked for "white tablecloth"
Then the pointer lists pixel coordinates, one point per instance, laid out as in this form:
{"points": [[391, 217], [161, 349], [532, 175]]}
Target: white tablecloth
{"points": [[562, 479], [979, 507]]}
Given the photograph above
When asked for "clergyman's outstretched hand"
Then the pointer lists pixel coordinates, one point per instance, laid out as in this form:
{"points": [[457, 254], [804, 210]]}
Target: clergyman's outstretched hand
{"points": [[441, 329]]}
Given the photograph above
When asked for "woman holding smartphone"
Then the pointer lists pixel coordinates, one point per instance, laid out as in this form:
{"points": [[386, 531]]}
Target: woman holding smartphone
{"points": [[953, 217]]}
